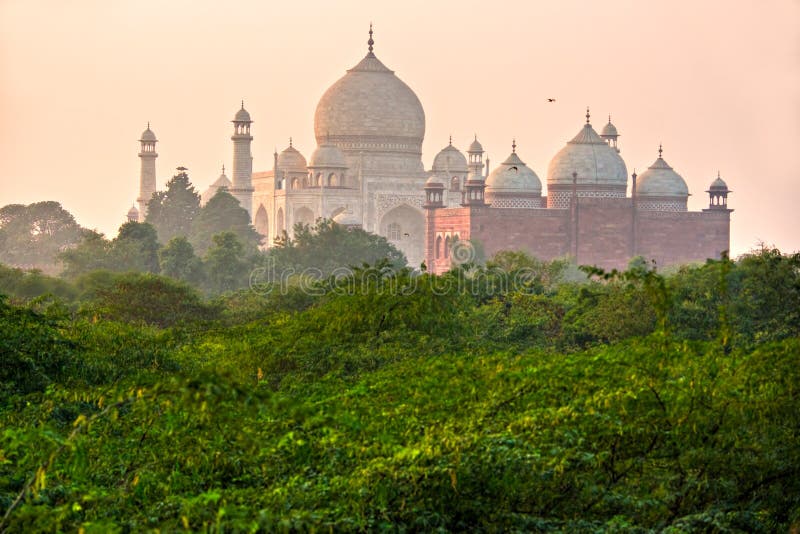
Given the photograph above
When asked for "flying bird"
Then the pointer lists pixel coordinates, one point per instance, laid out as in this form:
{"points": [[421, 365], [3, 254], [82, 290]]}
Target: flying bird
{"points": [[551, 99]]}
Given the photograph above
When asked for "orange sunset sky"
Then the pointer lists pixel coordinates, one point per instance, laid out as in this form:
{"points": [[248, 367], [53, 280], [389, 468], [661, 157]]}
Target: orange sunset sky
{"points": [[717, 82]]}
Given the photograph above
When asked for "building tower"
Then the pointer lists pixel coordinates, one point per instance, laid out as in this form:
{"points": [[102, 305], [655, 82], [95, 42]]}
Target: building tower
{"points": [[610, 135], [147, 175], [242, 187], [475, 160], [718, 195]]}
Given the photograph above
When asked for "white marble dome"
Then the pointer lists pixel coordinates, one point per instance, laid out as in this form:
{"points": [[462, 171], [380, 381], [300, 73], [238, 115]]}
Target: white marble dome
{"points": [[242, 115], [449, 159], [370, 105], [148, 135], [475, 146], [609, 130], [718, 185], [590, 156], [513, 176], [660, 180], [327, 155], [292, 160], [434, 181], [133, 214]]}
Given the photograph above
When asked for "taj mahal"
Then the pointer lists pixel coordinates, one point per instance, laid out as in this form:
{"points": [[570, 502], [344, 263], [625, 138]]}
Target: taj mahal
{"points": [[367, 172]]}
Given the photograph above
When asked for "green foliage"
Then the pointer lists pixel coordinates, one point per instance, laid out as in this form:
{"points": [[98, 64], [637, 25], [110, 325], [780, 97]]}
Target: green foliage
{"points": [[225, 264], [326, 247], [25, 285], [149, 299], [35, 234], [172, 212], [177, 260], [223, 213], [484, 400], [136, 248]]}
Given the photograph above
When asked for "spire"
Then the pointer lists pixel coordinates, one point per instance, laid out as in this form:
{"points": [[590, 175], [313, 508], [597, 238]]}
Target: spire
{"points": [[451, 140], [290, 142], [609, 118], [148, 125], [242, 104], [370, 42], [659, 150], [513, 146], [587, 115], [223, 168]]}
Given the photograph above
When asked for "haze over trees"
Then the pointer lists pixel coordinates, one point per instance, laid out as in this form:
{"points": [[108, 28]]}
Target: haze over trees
{"points": [[33, 235], [510, 397]]}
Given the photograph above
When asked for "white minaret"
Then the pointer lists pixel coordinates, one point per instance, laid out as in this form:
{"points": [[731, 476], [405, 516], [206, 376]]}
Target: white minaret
{"points": [[475, 161], [147, 176], [242, 187]]}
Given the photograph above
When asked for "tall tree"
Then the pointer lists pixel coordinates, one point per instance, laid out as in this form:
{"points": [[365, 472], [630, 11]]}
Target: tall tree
{"points": [[173, 211], [223, 213], [177, 260], [91, 254], [225, 263], [35, 234], [135, 248]]}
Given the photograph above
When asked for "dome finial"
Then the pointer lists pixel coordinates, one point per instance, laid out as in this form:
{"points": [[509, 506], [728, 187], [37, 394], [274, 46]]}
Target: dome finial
{"points": [[587, 115], [370, 42], [609, 118], [148, 125], [451, 140], [290, 142], [223, 168], [659, 150], [242, 104], [514, 146], [718, 176]]}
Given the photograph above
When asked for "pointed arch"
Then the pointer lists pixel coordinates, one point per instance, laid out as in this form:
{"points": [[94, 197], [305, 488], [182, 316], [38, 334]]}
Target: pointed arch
{"points": [[261, 221]]}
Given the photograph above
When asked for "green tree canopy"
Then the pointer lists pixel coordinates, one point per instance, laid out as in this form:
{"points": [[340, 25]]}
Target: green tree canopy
{"points": [[173, 211], [223, 213], [36, 233], [326, 246], [177, 260], [225, 263], [135, 248]]}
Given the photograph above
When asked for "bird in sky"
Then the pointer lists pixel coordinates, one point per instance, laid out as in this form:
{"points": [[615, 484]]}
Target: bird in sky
{"points": [[551, 99]]}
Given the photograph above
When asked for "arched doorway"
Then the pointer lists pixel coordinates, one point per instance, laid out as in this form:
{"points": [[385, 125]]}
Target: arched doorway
{"points": [[261, 222], [280, 227], [304, 215], [404, 227]]}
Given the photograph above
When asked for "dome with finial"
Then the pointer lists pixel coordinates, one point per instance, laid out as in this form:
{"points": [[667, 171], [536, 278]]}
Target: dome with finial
{"points": [[660, 180], [450, 159], [133, 213], [242, 115], [327, 155], [609, 130], [148, 134], [512, 177], [370, 109], [475, 146], [291, 159], [216, 185], [718, 185], [588, 155]]}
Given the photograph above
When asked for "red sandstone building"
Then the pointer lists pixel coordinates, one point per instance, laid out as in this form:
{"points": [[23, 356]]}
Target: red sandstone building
{"points": [[586, 214]]}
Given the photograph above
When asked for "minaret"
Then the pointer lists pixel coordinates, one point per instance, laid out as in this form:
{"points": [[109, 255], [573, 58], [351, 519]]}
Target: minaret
{"points": [[475, 160], [147, 175], [242, 187]]}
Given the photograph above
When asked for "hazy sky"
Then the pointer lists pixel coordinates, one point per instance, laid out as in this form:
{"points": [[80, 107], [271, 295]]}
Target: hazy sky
{"points": [[717, 82]]}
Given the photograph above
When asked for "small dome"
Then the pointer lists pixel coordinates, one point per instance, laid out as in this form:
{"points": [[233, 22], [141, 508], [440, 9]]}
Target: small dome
{"points": [[327, 155], [718, 185], [242, 115], [218, 184], [609, 130], [347, 218], [292, 160], [133, 213], [148, 134], [513, 176], [449, 159], [588, 155], [660, 180], [475, 146], [433, 181]]}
